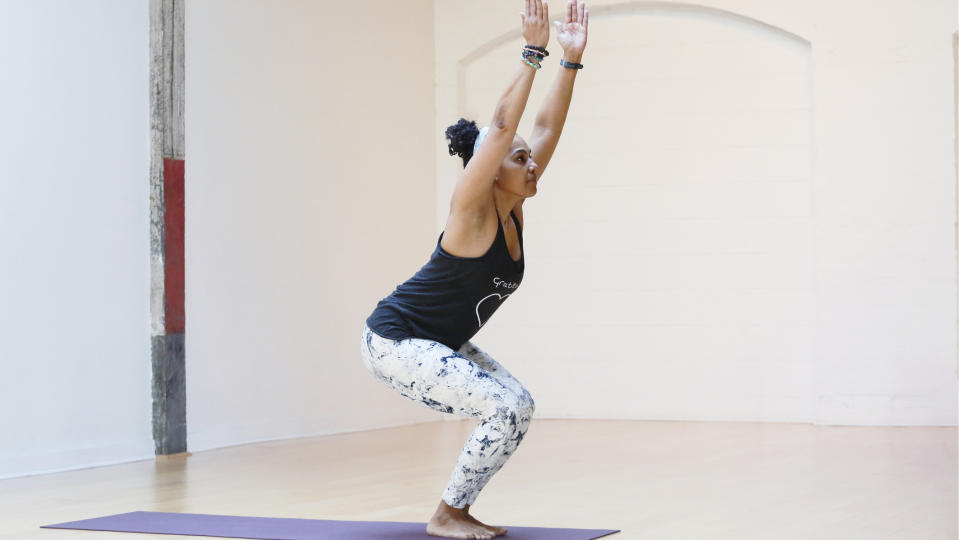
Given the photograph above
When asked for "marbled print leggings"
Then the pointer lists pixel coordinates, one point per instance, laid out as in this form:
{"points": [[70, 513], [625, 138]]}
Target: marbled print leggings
{"points": [[467, 382]]}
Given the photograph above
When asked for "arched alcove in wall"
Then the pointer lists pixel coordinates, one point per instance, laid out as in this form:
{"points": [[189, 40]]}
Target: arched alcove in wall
{"points": [[674, 224]]}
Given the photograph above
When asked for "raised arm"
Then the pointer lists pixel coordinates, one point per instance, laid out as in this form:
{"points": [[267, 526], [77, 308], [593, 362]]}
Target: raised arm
{"points": [[572, 36], [474, 188]]}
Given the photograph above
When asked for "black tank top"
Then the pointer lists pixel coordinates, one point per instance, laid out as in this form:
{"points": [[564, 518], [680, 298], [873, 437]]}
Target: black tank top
{"points": [[450, 298]]}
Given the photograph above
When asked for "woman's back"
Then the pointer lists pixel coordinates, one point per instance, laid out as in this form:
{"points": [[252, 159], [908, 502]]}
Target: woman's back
{"points": [[451, 297]]}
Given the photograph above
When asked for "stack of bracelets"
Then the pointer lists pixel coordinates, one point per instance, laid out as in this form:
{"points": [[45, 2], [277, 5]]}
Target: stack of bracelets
{"points": [[538, 53]]}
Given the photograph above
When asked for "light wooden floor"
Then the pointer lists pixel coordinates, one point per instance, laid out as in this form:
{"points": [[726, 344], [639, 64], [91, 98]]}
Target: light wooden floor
{"points": [[652, 480]]}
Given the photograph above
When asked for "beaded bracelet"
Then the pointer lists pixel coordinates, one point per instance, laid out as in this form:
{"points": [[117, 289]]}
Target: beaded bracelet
{"points": [[534, 54], [531, 64], [536, 51], [536, 48]]}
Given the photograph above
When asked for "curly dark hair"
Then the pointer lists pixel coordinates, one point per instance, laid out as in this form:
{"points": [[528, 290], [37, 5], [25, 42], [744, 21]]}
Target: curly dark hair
{"points": [[462, 135]]}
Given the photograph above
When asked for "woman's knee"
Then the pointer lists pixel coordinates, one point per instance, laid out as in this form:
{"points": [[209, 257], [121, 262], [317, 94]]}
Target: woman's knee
{"points": [[525, 404], [518, 411]]}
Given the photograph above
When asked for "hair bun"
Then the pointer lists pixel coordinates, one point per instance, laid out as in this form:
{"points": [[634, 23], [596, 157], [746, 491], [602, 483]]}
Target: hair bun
{"points": [[462, 135]]}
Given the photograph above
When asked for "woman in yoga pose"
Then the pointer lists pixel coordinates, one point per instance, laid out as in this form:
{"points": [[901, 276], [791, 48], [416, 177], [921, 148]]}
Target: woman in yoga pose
{"points": [[417, 339]]}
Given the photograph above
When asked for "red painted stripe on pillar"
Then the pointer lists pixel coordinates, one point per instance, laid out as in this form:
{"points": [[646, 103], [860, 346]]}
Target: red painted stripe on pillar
{"points": [[173, 216]]}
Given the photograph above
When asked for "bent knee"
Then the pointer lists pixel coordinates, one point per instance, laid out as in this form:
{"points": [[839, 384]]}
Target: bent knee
{"points": [[525, 403], [521, 408]]}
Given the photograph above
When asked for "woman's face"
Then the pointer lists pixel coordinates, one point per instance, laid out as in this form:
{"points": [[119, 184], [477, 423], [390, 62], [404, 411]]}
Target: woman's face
{"points": [[519, 171]]}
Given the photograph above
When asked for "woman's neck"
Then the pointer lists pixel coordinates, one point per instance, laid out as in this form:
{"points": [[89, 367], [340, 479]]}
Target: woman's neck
{"points": [[504, 202]]}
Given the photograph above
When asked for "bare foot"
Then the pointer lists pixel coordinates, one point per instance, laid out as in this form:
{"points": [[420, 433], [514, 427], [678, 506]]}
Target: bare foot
{"points": [[458, 523], [498, 531], [450, 526]]}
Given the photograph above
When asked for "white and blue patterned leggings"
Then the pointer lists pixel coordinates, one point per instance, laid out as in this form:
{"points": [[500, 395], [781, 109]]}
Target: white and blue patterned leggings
{"points": [[467, 382]]}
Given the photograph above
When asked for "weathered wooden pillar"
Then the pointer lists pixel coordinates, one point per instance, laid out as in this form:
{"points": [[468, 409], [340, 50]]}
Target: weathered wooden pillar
{"points": [[168, 321]]}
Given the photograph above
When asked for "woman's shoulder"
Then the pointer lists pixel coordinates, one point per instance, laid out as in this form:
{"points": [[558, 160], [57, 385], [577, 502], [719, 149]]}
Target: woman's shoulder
{"points": [[469, 233]]}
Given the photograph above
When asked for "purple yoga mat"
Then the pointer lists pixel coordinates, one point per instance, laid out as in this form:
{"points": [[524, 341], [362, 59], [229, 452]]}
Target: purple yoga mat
{"points": [[295, 529]]}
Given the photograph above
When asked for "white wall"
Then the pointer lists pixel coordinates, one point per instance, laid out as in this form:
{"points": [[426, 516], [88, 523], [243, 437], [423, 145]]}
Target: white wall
{"points": [[309, 196], [74, 229], [750, 216]]}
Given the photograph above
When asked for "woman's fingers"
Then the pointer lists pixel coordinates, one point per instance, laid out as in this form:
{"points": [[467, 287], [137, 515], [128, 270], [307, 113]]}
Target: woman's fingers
{"points": [[546, 12], [580, 7], [570, 4]]}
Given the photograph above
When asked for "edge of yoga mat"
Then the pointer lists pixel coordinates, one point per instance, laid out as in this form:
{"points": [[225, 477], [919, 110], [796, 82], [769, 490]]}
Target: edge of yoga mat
{"points": [[267, 528]]}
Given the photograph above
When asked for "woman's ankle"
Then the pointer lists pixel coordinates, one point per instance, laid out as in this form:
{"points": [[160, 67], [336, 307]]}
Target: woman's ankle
{"points": [[445, 508]]}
